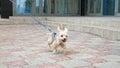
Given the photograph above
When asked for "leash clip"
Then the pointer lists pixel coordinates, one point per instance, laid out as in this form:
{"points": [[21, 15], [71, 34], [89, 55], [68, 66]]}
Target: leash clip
{"points": [[54, 34]]}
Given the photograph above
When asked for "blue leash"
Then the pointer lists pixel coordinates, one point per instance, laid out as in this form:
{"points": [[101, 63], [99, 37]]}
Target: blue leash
{"points": [[54, 33], [12, 2], [40, 23]]}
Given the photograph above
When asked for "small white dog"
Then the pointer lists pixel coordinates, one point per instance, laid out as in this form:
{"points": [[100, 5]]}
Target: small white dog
{"points": [[58, 44]]}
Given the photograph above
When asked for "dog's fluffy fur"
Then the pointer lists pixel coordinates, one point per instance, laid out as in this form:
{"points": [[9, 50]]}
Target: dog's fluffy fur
{"points": [[58, 44]]}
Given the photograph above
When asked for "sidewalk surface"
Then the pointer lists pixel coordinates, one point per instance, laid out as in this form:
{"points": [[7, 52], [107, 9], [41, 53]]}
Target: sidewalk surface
{"points": [[25, 46]]}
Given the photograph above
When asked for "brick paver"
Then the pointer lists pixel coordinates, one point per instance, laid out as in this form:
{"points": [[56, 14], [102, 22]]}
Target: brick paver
{"points": [[25, 46]]}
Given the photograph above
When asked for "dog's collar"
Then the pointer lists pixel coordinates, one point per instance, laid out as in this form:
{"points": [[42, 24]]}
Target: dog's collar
{"points": [[60, 44]]}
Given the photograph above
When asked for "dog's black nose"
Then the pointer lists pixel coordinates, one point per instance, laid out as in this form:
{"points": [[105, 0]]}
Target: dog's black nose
{"points": [[64, 38]]}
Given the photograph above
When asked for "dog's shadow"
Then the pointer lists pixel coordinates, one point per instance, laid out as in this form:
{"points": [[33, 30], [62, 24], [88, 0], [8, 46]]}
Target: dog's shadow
{"points": [[68, 52], [71, 52]]}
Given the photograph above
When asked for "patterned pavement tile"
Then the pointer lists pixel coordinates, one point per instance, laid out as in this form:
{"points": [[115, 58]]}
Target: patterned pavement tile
{"points": [[25, 46], [3, 66], [17, 63], [41, 60], [15, 49], [95, 60], [73, 63], [32, 56], [5, 55], [111, 57], [51, 65], [88, 50], [41, 50], [103, 48], [99, 53], [30, 66], [81, 56], [86, 67], [8, 59], [107, 43], [108, 65], [61, 58]]}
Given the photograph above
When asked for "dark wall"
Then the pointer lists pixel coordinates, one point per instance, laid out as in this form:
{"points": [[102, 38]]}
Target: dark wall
{"points": [[6, 9], [84, 7], [79, 7], [0, 6]]}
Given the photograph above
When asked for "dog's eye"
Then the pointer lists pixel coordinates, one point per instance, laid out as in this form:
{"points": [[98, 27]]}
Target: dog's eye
{"points": [[61, 35], [66, 36]]}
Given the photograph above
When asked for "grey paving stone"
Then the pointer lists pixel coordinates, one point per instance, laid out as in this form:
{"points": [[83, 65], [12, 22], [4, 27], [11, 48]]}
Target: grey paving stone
{"points": [[108, 65], [73, 63]]}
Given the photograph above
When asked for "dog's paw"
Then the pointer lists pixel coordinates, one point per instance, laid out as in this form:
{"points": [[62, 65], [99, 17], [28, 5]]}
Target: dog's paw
{"points": [[54, 51]]}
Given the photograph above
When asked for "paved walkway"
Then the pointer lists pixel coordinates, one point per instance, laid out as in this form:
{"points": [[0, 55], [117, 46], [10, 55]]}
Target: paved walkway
{"points": [[25, 46]]}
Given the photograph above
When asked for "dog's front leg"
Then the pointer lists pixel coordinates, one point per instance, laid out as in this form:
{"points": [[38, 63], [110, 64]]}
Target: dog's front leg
{"points": [[54, 51], [64, 47], [54, 47], [62, 50]]}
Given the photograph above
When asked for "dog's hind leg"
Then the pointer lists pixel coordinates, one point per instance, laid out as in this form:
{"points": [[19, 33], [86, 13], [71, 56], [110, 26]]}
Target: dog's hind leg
{"points": [[50, 39]]}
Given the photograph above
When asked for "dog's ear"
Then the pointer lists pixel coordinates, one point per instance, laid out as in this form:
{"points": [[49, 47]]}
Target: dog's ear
{"points": [[58, 29], [66, 30]]}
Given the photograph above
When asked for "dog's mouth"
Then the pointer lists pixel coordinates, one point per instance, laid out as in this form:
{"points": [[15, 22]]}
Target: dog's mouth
{"points": [[64, 40]]}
